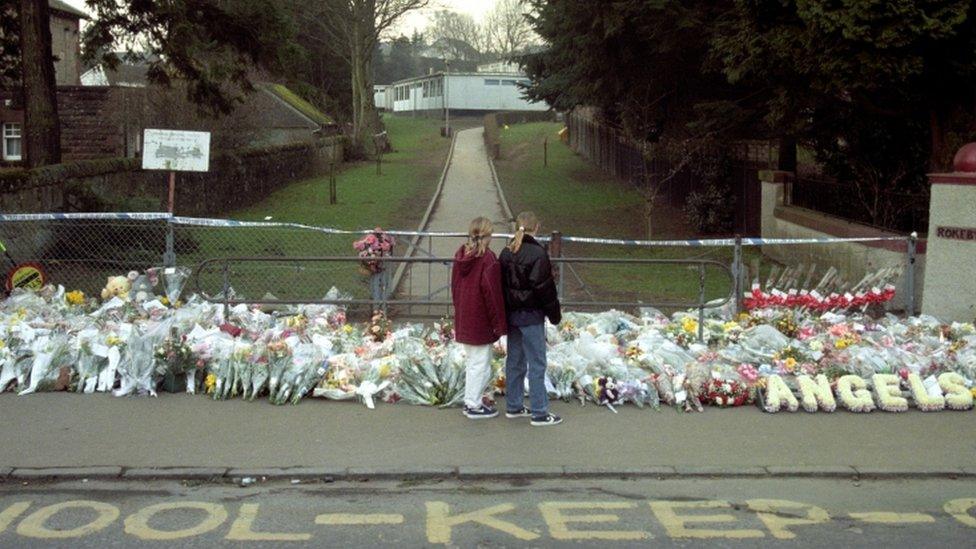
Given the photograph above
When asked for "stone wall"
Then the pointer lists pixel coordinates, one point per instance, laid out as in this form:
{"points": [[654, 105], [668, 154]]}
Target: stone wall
{"points": [[235, 180], [852, 259]]}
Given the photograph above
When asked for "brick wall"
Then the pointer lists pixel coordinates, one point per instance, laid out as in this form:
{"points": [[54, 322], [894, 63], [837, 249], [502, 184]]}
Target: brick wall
{"points": [[235, 180]]}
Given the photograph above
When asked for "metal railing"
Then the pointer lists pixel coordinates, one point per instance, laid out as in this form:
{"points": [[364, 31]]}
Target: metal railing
{"points": [[228, 271]]}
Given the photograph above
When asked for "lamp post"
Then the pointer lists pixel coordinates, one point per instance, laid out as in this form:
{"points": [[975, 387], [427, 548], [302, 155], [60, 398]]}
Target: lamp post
{"points": [[447, 98]]}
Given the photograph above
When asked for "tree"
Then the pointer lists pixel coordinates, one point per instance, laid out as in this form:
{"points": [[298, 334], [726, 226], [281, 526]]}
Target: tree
{"points": [[42, 130], [454, 29], [843, 74], [508, 28], [210, 45], [9, 46], [352, 29]]}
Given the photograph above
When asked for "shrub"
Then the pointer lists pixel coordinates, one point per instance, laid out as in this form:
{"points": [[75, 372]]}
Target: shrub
{"points": [[711, 210]]}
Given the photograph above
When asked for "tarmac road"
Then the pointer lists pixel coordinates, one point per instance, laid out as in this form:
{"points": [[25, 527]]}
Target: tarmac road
{"points": [[516, 513]]}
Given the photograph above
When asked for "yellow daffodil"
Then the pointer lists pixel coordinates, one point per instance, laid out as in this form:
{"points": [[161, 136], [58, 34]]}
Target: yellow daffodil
{"points": [[112, 341], [689, 325], [76, 297], [164, 300], [347, 329], [790, 364], [730, 325], [210, 382], [842, 344]]}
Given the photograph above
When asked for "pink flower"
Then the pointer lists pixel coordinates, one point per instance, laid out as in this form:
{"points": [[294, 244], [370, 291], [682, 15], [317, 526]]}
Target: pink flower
{"points": [[903, 373], [838, 330], [805, 333], [748, 372]]}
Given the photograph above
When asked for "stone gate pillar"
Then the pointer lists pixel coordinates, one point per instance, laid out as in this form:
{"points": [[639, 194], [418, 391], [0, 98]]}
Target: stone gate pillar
{"points": [[950, 270]]}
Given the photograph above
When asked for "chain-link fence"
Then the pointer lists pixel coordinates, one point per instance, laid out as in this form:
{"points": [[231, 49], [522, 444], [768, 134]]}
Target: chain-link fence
{"points": [[80, 251]]}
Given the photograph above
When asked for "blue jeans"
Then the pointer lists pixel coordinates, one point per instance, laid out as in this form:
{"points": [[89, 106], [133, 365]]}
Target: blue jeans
{"points": [[526, 354]]}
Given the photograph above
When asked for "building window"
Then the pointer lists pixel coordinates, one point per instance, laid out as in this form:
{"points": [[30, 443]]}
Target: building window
{"points": [[508, 82], [12, 142], [426, 88], [491, 82]]}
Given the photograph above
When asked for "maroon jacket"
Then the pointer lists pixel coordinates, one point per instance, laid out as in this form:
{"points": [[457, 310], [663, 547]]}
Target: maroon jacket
{"points": [[479, 305]]}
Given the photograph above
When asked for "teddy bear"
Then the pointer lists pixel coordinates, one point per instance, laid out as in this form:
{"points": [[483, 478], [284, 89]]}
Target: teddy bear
{"points": [[117, 286]]}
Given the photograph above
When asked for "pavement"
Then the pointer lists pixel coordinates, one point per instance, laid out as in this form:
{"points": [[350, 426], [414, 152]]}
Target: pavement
{"points": [[319, 439], [512, 513], [469, 190]]}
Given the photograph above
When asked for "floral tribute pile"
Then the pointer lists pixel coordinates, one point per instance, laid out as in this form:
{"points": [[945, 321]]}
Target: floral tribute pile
{"points": [[779, 357]]}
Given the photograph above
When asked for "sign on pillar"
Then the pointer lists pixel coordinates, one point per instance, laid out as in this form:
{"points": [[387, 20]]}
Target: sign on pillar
{"points": [[950, 287]]}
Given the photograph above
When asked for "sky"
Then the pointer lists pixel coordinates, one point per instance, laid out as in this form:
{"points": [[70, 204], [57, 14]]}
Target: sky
{"points": [[412, 21]]}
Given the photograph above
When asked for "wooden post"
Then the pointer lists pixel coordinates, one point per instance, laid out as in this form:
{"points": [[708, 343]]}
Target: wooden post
{"points": [[172, 191]]}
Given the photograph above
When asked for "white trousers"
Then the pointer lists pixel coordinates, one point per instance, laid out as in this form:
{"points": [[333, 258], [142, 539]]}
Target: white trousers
{"points": [[477, 373]]}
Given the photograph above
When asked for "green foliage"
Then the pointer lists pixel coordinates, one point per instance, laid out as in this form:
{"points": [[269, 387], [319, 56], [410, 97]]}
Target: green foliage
{"points": [[710, 210], [844, 75], [640, 61], [9, 46], [211, 44]]}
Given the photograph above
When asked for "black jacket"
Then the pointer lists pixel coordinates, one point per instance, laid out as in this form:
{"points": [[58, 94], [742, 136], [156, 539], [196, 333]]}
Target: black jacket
{"points": [[527, 280]]}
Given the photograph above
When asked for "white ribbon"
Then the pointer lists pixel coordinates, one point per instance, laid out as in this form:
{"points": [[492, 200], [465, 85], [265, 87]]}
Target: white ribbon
{"points": [[367, 389]]}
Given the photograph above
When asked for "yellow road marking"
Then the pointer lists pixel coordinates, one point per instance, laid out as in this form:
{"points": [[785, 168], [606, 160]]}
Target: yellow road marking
{"points": [[768, 512], [10, 514], [342, 519], [33, 526], [959, 509], [676, 525], [137, 524], [885, 517], [559, 523], [440, 523], [243, 528]]}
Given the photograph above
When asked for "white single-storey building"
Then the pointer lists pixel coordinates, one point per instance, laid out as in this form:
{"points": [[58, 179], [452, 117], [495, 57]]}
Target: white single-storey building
{"points": [[462, 93], [379, 97]]}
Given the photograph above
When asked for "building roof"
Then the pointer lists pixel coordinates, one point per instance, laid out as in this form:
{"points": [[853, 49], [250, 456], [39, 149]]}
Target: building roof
{"points": [[305, 108], [67, 8], [516, 75]]}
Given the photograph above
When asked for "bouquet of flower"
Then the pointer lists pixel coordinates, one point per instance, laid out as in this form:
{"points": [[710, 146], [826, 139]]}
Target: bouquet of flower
{"points": [[376, 379], [426, 380], [112, 345], [174, 357], [50, 355], [726, 393], [91, 358], [279, 356], [298, 377], [341, 377], [137, 369], [372, 247]]}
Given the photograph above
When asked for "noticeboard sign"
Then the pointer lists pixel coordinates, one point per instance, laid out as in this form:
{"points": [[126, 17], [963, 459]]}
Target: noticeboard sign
{"points": [[176, 150]]}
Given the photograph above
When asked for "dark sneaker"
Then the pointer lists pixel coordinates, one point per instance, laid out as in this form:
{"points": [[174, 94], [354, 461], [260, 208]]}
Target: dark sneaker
{"points": [[481, 412], [548, 419], [524, 412]]}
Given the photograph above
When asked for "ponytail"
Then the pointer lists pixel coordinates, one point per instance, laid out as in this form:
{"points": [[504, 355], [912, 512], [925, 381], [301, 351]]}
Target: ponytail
{"points": [[527, 223], [479, 236]]}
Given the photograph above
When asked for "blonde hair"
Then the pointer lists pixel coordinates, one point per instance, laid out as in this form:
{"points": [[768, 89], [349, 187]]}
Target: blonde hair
{"points": [[526, 222], [479, 236]]}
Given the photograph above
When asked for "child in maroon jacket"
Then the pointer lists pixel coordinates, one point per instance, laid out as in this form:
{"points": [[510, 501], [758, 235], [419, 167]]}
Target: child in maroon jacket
{"points": [[479, 312]]}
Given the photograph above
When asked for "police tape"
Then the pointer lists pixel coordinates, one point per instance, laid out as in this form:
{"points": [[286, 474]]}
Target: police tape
{"points": [[231, 223], [94, 216]]}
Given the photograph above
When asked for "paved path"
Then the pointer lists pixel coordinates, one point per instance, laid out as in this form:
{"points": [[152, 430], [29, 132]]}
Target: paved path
{"points": [[468, 192], [520, 513], [64, 429]]}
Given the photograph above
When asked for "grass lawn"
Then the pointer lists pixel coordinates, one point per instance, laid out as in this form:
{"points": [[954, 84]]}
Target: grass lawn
{"points": [[396, 199], [576, 198]]}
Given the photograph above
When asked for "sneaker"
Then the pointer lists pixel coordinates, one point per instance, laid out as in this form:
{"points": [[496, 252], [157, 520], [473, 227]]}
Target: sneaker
{"points": [[524, 412], [481, 412], [548, 419]]}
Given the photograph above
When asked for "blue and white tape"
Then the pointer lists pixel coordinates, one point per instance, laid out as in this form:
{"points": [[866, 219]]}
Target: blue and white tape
{"points": [[98, 216], [214, 222]]}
